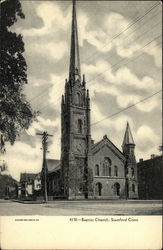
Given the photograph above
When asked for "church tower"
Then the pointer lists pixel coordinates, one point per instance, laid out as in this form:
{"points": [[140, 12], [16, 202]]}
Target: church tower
{"points": [[77, 178], [130, 166]]}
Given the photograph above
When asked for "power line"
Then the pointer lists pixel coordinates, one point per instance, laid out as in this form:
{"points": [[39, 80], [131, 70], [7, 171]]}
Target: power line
{"points": [[123, 59], [129, 26], [113, 66], [137, 38], [136, 20], [44, 171], [109, 58], [128, 61], [122, 110]]}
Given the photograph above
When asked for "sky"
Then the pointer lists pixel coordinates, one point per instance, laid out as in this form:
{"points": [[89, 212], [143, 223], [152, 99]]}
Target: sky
{"points": [[120, 54]]}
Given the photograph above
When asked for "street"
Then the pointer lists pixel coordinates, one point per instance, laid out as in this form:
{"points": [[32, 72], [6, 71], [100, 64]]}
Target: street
{"points": [[68, 208]]}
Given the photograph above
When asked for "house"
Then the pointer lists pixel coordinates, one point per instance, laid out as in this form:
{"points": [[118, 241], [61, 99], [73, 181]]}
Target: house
{"points": [[30, 184]]}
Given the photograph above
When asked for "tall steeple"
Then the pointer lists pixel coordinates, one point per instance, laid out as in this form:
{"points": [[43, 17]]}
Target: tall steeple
{"points": [[74, 70], [75, 124]]}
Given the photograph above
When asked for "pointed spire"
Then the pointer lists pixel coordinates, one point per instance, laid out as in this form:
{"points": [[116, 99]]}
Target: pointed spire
{"points": [[62, 99], [88, 93], [74, 54], [128, 139], [84, 81]]}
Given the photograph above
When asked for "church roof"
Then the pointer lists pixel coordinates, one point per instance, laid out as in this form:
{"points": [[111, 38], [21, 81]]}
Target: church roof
{"points": [[105, 141], [74, 54], [53, 165], [128, 139]]}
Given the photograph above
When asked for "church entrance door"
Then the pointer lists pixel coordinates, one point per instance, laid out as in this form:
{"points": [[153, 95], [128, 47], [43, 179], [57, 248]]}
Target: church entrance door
{"points": [[117, 189]]}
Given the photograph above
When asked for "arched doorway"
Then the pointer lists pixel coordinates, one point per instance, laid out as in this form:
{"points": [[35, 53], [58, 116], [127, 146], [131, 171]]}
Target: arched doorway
{"points": [[98, 189], [117, 189]]}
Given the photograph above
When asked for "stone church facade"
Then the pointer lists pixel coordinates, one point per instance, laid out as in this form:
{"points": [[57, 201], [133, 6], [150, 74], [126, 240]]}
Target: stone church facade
{"points": [[87, 169]]}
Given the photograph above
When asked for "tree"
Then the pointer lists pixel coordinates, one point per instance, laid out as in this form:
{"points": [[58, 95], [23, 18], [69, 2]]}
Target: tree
{"points": [[15, 112]]}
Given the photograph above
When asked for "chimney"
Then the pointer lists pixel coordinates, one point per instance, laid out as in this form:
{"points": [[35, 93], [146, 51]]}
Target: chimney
{"points": [[141, 160]]}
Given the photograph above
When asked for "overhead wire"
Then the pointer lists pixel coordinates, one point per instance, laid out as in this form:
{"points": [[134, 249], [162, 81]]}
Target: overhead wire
{"points": [[123, 59], [100, 74], [137, 38], [122, 110], [109, 58], [130, 25], [128, 61]]}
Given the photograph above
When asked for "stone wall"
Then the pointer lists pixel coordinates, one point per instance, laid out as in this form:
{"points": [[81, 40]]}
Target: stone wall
{"points": [[112, 182]]}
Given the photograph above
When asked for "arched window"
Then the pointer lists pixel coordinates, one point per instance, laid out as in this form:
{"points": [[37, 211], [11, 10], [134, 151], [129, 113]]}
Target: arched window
{"points": [[78, 99], [132, 172], [107, 167], [80, 126], [115, 171], [109, 171], [97, 171], [133, 188]]}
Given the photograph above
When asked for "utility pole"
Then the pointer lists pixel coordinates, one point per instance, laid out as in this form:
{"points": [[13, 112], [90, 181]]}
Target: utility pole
{"points": [[44, 166]]}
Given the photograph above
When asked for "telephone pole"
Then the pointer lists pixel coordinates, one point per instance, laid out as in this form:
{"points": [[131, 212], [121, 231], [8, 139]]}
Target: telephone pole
{"points": [[45, 136]]}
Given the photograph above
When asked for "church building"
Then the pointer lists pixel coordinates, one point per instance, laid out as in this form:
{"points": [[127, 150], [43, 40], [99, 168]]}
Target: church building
{"points": [[88, 170]]}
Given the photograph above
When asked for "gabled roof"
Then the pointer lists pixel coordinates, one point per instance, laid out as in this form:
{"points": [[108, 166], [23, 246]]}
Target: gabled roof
{"points": [[53, 165], [128, 139], [105, 141]]}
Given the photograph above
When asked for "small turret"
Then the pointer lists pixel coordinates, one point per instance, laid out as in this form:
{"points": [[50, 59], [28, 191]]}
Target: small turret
{"points": [[62, 100], [88, 94], [128, 142], [88, 99], [128, 148], [83, 82]]}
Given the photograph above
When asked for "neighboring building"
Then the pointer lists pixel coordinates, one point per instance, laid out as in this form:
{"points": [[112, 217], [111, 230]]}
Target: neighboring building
{"points": [[150, 177], [8, 187], [53, 177], [88, 170], [30, 183]]}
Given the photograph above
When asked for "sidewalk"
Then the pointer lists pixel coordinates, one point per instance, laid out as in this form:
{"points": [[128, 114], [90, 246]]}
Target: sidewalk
{"points": [[85, 201]]}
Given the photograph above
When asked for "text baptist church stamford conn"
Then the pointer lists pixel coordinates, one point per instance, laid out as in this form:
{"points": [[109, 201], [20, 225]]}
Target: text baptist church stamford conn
{"points": [[87, 169]]}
